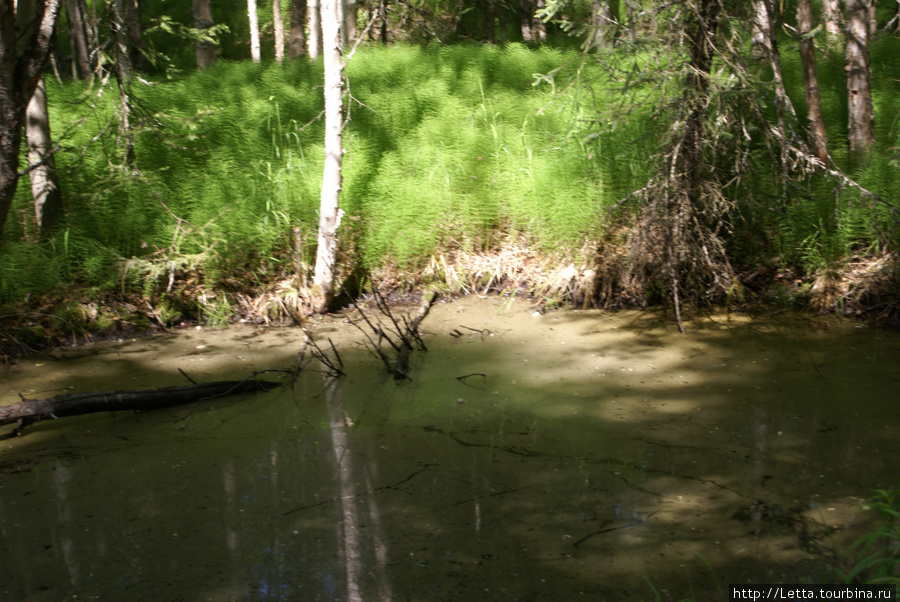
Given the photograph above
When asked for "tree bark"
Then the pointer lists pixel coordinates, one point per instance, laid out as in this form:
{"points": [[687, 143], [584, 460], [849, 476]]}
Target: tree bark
{"points": [[604, 23], [206, 51], [350, 10], [314, 41], [278, 23], [534, 30], [297, 36], [762, 28], [82, 65], [861, 124], [814, 116], [44, 183], [831, 12], [254, 31], [329, 217], [20, 71], [30, 411], [132, 18], [121, 43]]}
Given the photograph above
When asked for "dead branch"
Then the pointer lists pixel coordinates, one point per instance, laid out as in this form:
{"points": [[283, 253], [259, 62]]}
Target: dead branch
{"points": [[406, 331], [29, 411]]}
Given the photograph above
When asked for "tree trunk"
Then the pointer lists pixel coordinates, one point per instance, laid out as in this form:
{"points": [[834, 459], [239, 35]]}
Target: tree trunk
{"points": [[20, 71], [314, 40], [533, 29], [603, 22], [279, 30], [329, 217], [762, 28], [350, 10], [121, 54], [814, 116], [873, 18], [82, 65], [206, 51], [783, 105], [702, 34], [254, 31], [44, 184], [860, 125], [297, 36], [831, 12], [132, 17]]}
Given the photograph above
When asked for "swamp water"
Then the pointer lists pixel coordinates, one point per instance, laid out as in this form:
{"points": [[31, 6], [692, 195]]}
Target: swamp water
{"points": [[599, 453]]}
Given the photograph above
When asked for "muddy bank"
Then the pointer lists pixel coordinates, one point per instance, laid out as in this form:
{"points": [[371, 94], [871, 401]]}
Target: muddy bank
{"points": [[598, 452]]}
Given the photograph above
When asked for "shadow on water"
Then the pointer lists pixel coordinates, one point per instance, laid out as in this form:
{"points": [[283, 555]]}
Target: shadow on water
{"points": [[597, 452]]}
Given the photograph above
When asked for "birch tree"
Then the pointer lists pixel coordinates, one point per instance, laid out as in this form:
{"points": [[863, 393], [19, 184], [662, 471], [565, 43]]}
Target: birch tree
{"points": [[860, 123], [831, 13], [254, 30], [314, 40], [20, 71], [329, 213], [44, 183], [278, 23]]}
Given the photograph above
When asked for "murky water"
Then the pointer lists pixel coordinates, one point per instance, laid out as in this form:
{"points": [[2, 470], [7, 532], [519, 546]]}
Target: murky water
{"points": [[599, 454]]}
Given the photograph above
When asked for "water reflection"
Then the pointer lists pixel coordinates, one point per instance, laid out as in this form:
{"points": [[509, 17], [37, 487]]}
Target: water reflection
{"points": [[578, 478]]}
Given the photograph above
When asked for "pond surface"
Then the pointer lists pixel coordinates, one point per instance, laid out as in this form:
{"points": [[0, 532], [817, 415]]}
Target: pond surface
{"points": [[602, 456]]}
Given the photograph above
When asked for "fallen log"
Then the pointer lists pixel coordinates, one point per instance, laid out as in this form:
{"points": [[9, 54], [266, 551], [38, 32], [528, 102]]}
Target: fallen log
{"points": [[29, 411]]}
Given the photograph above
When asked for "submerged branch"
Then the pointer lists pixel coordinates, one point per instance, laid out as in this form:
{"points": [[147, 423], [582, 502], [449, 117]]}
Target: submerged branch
{"points": [[29, 411]]}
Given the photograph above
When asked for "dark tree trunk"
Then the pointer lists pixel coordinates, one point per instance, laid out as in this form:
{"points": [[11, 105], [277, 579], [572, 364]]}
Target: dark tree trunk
{"points": [[121, 52], [132, 16], [701, 34], [297, 36], [83, 65], [206, 51], [20, 72]]}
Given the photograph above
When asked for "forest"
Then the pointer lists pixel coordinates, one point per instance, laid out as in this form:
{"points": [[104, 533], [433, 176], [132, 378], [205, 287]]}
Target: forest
{"points": [[164, 164]]}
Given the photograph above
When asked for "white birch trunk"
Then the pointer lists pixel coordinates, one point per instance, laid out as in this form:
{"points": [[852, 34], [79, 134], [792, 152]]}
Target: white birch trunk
{"points": [[860, 126], [254, 30], [44, 185], [278, 22], [760, 44], [831, 12], [314, 40], [329, 216]]}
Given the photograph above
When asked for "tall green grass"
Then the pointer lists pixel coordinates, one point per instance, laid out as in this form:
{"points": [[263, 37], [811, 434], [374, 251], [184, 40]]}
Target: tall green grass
{"points": [[446, 147]]}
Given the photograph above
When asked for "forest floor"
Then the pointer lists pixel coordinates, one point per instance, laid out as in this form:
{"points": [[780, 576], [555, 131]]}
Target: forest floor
{"points": [[863, 288]]}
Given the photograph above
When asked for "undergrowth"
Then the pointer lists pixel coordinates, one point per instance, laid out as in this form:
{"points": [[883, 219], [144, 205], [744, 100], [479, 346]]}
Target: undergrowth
{"points": [[479, 167]]}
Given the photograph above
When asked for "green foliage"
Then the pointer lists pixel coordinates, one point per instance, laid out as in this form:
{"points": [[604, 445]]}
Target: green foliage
{"points": [[876, 555], [446, 148]]}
